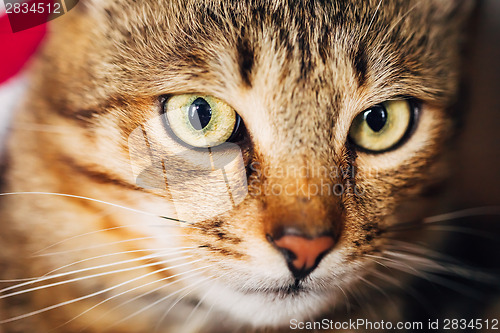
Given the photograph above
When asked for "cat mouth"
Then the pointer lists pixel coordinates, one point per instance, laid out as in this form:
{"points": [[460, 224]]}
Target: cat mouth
{"points": [[289, 290]]}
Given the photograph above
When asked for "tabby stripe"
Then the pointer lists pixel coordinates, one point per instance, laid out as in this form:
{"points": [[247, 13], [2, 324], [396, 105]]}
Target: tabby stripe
{"points": [[245, 60], [222, 251], [360, 64], [99, 176]]}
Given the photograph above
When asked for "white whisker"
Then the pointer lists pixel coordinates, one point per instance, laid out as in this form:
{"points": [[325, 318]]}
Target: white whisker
{"points": [[98, 201], [83, 297], [425, 222], [425, 270], [100, 245], [372, 19], [209, 311], [200, 301], [104, 230], [157, 327], [48, 276], [348, 302], [463, 230], [486, 210], [82, 278], [430, 265], [377, 288], [162, 251], [419, 249], [18, 280], [161, 300], [390, 260], [178, 299], [138, 287], [405, 288], [387, 278]]}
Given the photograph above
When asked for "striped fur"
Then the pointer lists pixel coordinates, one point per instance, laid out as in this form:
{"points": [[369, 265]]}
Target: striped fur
{"points": [[297, 72]]}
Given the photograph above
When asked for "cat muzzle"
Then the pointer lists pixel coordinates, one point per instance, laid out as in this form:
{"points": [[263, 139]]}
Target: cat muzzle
{"points": [[302, 253]]}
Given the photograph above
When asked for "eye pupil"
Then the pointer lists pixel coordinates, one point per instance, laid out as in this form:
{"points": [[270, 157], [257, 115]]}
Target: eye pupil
{"points": [[376, 117], [199, 113]]}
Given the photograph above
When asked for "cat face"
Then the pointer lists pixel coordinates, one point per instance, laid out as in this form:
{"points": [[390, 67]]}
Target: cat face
{"points": [[331, 125]]}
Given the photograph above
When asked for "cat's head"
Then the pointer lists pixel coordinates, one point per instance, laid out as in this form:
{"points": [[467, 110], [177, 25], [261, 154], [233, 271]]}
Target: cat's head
{"points": [[286, 135]]}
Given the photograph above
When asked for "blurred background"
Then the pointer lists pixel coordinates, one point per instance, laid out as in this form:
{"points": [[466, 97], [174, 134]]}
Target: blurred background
{"points": [[475, 240], [478, 168]]}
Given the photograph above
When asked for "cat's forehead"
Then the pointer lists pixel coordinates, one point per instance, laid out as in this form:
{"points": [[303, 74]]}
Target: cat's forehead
{"points": [[394, 47], [307, 65]]}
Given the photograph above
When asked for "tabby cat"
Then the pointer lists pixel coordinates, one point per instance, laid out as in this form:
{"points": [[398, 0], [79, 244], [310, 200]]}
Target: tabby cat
{"points": [[223, 166]]}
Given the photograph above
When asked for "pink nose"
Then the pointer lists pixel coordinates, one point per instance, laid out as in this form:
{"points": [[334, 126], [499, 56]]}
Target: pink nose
{"points": [[303, 254]]}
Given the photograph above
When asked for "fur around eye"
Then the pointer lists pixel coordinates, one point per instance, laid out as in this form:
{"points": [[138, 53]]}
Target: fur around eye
{"points": [[383, 126], [200, 121]]}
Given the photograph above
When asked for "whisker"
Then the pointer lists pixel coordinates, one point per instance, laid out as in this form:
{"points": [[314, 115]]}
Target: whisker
{"points": [[153, 290], [348, 302], [165, 314], [433, 278], [81, 278], [372, 19], [162, 251], [405, 288], [397, 22], [412, 248], [390, 260], [18, 280], [469, 212], [444, 267], [48, 275], [157, 327], [200, 301], [81, 298], [377, 262], [100, 245], [355, 297], [463, 230], [98, 201], [104, 230], [147, 307], [386, 278], [210, 310], [377, 288], [411, 292], [138, 287]]}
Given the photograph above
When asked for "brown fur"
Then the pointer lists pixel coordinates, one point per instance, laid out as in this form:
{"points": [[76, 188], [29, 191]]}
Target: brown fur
{"points": [[297, 72]]}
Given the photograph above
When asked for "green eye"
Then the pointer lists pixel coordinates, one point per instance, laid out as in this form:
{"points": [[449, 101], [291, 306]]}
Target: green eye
{"points": [[382, 126], [200, 121]]}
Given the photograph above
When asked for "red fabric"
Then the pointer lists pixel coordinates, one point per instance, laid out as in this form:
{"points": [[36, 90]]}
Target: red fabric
{"points": [[17, 48]]}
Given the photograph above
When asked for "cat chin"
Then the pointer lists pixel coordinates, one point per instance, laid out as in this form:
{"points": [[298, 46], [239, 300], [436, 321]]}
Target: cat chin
{"points": [[267, 308], [274, 301]]}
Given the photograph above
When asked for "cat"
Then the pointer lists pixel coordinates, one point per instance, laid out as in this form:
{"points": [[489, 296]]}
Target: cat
{"points": [[222, 166]]}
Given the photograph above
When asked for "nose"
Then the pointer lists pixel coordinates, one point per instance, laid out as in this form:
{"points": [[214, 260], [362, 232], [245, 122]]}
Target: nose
{"points": [[302, 253]]}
